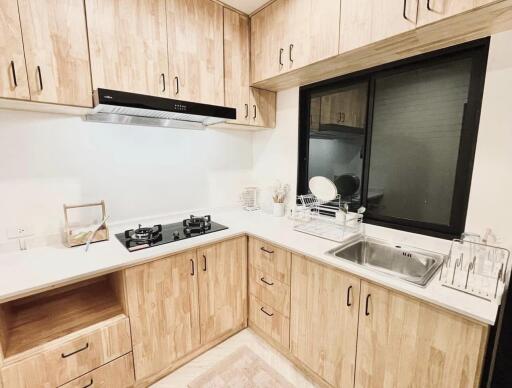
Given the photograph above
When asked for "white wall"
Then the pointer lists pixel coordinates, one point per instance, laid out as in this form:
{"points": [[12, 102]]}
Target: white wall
{"points": [[275, 152], [47, 160]]}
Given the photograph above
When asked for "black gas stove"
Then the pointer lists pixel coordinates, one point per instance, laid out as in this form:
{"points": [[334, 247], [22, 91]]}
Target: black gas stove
{"points": [[147, 237]]}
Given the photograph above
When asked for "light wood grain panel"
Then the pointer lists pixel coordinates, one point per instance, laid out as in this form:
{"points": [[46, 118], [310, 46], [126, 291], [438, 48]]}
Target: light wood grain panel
{"points": [[461, 28], [262, 110], [13, 73], [195, 46], [269, 321], [164, 312], [312, 28], [440, 9], [404, 342], [222, 287], [115, 374], [271, 259], [128, 45], [55, 40], [356, 18], [324, 320], [62, 362], [269, 291], [268, 30], [236, 64]]}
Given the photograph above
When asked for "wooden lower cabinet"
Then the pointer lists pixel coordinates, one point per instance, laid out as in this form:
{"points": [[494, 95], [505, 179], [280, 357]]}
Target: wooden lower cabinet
{"points": [[164, 312], [270, 322], [403, 342], [115, 374], [222, 276], [179, 303], [324, 316]]}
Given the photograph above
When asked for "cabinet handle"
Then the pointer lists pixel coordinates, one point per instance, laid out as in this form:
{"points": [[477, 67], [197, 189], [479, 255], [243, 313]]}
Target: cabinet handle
{"points": [[90, 384], [13, 70], [290, 52], [405, 11], [267, 283], [254, 110], [63, 355], [281, 56], [204, 265], [349, 292], [429, 7], [367, 307], [163, 82], [193, 268], [266, 250], [269, 314], [177, 84], [246, 110], [40, 78]]}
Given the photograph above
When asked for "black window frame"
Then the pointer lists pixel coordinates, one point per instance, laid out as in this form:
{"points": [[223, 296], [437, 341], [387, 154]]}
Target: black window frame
{"points": [[478, 51]]}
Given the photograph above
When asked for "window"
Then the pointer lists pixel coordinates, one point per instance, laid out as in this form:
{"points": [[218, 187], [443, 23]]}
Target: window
{"points": [[399, 139]]}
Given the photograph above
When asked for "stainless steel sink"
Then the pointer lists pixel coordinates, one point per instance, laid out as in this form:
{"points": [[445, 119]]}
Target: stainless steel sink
{"points": [[414, 265]]}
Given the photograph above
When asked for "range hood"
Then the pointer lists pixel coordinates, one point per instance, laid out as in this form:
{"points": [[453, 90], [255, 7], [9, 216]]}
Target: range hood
{"points": [[113, 106]]}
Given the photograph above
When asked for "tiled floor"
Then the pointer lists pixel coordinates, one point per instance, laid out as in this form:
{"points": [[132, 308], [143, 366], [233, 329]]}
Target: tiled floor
{"points": [[183, 376]]}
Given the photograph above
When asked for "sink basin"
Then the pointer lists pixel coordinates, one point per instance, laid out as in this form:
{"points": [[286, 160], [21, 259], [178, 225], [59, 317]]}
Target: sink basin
{"points": [[414, 265]]}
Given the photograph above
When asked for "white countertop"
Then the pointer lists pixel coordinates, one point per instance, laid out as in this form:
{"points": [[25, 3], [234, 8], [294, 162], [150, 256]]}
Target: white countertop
{"points": [[26, 272]]}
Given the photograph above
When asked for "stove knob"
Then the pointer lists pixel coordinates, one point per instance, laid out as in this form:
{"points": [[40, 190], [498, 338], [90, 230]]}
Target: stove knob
{"points": [[176, 235]]}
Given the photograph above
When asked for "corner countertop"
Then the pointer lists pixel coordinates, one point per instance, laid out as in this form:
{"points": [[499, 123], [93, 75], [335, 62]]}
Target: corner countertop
{"points": [[27, 272]]}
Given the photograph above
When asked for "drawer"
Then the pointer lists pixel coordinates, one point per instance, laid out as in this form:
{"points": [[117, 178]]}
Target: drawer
{"points": [[63, 362], [270, 259], [115, 374], [269, 321], [269, 290]]}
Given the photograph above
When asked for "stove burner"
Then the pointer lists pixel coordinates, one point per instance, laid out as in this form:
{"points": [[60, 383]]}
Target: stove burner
{"points": [[196, 225], [143, 235]]}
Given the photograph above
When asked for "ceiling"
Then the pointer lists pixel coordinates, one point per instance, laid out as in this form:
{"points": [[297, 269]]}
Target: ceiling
{"points": [[246, 6]]}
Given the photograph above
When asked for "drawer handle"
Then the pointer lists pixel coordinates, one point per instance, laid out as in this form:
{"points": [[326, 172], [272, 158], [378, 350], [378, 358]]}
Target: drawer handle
{"points": [[269, 314], [281, 57], [40, 78], [266, 250], [290, 52], [90, 383], [246, 110], [177, 83], [349, 293], [204, 266], [367, 307], [254, 112], [76, 351], [429, 7], [267, 283], [13, 70], [163, 82], [193, 267]]}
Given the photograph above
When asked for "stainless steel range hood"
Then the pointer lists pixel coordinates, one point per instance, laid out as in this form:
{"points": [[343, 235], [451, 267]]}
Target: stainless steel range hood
{"points": [[113, 106]]}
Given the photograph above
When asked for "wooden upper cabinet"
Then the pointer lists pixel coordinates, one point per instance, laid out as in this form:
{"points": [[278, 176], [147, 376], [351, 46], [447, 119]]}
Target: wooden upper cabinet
{"points": [[403, 342], [195, 46], [236, 64], [222, 288], [324, 319], [128, 44], [164, 311], [13, 73], [430, 11], [368, 21], [289, 34], [262, 111], [56, 51]]}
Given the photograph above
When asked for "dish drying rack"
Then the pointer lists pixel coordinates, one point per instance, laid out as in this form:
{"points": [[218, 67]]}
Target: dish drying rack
{"points": [[476, 268], [330, 220]]}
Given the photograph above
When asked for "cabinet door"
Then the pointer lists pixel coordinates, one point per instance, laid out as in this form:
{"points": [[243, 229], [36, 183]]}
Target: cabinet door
{"points": [[128, 43], [222, 288], [262, 108], [312, 32], [367, 21], [236, 64], [164, 312], [13, 73], [268, 42], [56, 51], [195, 46], [430, 11], [324, 314], [403, 342]]}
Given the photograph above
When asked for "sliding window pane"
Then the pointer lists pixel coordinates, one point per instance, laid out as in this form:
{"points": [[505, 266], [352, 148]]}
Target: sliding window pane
{"points": [[416, 132]]}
